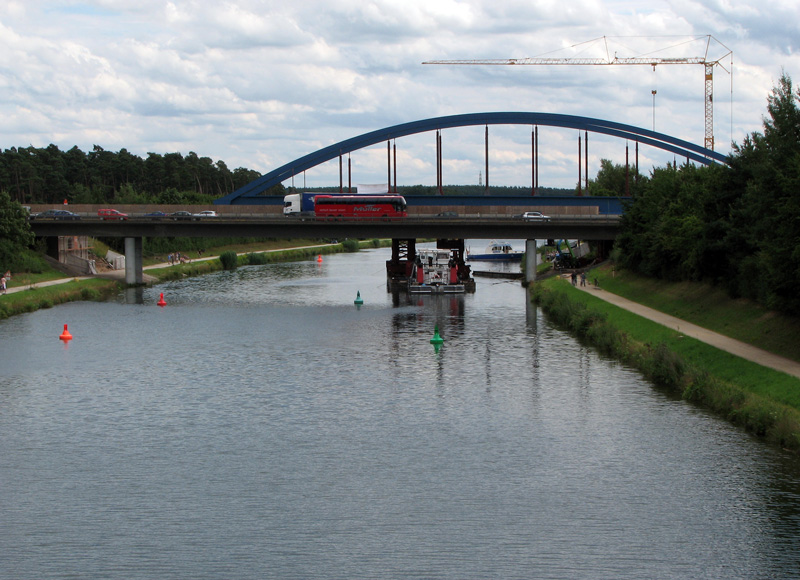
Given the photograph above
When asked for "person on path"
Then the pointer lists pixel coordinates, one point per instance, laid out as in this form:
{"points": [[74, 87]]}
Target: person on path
{"points": [[583, 278], [3, 284]]}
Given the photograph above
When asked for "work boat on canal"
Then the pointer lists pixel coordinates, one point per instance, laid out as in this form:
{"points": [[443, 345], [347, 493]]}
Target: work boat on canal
{"points": [[497, 251], [435, 272]]}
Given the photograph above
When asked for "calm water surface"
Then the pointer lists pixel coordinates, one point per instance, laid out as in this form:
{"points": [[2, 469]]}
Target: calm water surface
{"points": [[260, 426]]}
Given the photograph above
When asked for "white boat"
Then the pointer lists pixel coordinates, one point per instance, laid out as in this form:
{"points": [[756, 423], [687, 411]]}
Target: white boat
{"points": [[497, 251]]}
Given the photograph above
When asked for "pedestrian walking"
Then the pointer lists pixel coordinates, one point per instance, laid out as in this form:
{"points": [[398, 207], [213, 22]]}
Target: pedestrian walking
{"points": [[583, 278], [3, 284]]}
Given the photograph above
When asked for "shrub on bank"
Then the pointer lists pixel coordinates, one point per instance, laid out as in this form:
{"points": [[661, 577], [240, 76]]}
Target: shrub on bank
{"points": [[351, 245], [257, 258], [229, 260]]}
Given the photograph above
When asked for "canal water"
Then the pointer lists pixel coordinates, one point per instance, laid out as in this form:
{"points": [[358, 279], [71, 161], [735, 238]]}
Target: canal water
{"points": [[262, 426]]}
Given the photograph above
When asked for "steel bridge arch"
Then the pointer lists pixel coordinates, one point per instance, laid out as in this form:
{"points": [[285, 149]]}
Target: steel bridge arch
{"points": [[658, 140]]}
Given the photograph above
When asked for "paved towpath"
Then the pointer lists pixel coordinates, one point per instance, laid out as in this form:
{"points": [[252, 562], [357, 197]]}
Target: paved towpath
{"points": [[715, 339]]}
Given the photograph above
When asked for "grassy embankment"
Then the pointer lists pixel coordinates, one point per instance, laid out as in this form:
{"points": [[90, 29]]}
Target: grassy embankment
{"points": [[763, 401], [38, 297]]}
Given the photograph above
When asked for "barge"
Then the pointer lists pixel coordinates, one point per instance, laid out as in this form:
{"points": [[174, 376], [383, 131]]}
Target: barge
{"points": [[439, 270], [434, 272]]}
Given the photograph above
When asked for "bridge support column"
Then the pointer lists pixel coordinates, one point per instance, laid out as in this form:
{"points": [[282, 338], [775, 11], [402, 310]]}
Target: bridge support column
{"points": [[531, 261], [134, 274]]}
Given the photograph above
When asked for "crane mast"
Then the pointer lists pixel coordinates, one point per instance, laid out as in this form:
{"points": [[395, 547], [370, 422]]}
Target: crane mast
{"points": [[615, 60]]}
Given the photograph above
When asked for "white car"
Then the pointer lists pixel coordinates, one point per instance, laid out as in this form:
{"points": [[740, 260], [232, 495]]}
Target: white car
{"points": [[535, 215], [205, 214]]}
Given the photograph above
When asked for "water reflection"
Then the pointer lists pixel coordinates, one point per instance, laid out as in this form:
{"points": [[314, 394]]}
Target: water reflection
{"points": [[261, 427], [133, 295]]}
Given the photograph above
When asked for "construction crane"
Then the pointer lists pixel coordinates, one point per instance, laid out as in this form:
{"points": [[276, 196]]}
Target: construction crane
{"points": [[615, 60]]}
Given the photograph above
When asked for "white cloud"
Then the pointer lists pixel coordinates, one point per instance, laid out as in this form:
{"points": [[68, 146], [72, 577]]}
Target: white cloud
{"points": [[257, 83]]}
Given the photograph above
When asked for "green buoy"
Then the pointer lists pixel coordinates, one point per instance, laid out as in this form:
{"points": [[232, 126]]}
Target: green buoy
{"points": [[358, 301], [436, 340]]}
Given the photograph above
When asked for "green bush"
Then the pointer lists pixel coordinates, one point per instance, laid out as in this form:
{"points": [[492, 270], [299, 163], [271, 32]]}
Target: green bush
{"points": [[350, 245], [665, 368], [18, 260], [229, 260], [257, 258]]}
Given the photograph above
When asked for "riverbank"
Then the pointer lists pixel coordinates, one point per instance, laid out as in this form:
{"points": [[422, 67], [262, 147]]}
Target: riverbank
{"points": [[763, 400], [51, 292]]}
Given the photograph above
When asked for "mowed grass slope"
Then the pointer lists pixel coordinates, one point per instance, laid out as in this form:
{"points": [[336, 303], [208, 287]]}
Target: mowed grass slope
{"points": [[709, 307]]}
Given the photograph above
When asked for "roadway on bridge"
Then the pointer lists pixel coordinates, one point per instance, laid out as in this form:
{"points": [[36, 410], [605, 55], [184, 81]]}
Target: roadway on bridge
{"points": [[590, 227]]}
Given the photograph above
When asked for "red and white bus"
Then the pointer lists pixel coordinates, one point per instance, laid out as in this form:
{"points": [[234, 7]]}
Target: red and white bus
{"points": [[360, 206]]}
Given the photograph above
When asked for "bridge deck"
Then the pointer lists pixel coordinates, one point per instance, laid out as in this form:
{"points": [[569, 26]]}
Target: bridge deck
{"points": [[591, 227]]}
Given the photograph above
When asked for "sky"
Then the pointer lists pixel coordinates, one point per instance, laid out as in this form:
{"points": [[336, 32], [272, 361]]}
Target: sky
{"points": [[259, 83]]}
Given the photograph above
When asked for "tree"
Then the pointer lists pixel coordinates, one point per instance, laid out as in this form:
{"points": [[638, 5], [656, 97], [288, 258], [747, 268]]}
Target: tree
{"points": [[616, 180], [16, 235], [768, 167], [736, 225]]}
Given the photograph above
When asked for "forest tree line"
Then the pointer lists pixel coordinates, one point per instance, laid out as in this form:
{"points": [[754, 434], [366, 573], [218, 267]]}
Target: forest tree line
{"points": [[49, 175]]}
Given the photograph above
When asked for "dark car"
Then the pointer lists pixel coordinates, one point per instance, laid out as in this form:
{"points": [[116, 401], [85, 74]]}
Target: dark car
{"points": [[155, 215], [181, 215], [55, 214]]}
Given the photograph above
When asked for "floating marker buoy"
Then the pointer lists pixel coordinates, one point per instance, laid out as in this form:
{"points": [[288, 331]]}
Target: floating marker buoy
{"points": [[436, 340], [358, 301], [161, 302], [319, 258], [65, 336]]}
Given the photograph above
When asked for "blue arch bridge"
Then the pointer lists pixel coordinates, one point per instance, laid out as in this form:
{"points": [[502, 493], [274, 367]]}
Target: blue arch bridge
{"points": [[253, 193], [482, 217], [403, 250]]}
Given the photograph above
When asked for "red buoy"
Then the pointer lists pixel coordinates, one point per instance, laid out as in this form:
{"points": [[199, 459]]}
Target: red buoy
{"points": [[65, 336], [161, 302], [319, 258]]}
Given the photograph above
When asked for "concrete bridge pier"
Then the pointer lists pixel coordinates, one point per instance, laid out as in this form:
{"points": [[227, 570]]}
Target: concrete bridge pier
{"points": [[531, 261], [134, 275]]}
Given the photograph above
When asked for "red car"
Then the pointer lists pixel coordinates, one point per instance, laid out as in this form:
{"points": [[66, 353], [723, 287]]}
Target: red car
{"points": [[111, 214]]}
